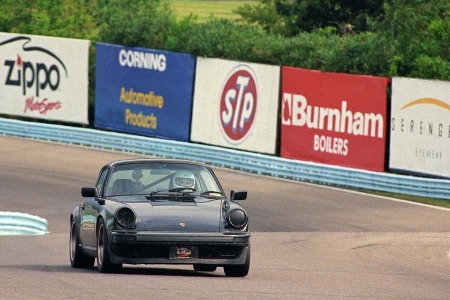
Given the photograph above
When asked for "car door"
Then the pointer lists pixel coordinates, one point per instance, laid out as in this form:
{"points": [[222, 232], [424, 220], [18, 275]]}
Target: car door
{"points": [[89, 212]]}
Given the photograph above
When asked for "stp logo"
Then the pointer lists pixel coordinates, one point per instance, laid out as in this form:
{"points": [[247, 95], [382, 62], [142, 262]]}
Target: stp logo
{"points": [[238, 103]]}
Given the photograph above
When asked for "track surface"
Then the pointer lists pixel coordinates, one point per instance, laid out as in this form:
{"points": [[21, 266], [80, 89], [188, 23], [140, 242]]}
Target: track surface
{"points": [[308, 242]]}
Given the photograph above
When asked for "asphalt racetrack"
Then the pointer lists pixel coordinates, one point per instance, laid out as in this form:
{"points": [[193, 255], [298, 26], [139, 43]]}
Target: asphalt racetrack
{"points": [[308, 241]]}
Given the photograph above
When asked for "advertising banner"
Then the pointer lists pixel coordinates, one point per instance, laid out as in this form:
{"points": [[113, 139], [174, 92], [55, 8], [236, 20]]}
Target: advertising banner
{"points": [[236, 105], [143, 91], [333, 118], [44, 77], [420, 126]]}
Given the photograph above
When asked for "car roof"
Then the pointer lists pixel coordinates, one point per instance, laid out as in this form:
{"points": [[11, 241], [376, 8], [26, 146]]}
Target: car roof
{"points": [[155, 160]]}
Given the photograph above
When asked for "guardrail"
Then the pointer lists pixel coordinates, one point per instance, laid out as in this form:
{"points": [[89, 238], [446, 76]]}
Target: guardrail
{"points": [[228, 158], [14, 223]]}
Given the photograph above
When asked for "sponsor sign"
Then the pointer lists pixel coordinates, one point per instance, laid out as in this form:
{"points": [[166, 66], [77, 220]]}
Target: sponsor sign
{"points": [[143, 91], [336, 119], [236, 105], [44, 77], [420, 126]]}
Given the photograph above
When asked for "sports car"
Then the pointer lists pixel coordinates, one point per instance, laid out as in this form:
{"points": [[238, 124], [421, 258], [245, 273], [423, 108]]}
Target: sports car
{"points": [[160, 211]]}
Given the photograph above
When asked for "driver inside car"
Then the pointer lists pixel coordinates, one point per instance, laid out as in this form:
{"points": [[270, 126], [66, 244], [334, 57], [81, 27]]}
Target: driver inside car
{"points": [[184, 180]]}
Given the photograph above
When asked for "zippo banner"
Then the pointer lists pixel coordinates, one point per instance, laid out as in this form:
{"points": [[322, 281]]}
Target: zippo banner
{"points": [[420, 126], [143, 91], [333, 118], [236, 105], [44, 77]]}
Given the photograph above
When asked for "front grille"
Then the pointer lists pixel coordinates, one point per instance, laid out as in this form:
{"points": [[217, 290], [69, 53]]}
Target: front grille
{"points": [[141, 251], [162, 251], [217, 252]]}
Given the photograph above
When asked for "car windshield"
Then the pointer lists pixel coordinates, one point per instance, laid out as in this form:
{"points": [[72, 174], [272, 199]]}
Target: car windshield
{"points": [[159, 178]]}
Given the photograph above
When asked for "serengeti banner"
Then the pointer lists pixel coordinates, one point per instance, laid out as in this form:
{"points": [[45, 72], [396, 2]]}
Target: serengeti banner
{"points": [[44, 77], [420, 126], [332, 118], [143, 91]]}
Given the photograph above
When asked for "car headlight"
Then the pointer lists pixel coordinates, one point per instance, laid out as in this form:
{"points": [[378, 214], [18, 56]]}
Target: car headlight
{"points": [[237, 218], [125, 217]]}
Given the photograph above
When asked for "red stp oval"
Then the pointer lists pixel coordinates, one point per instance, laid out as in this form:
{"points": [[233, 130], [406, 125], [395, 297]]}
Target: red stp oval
{"points": [[238, 103]]}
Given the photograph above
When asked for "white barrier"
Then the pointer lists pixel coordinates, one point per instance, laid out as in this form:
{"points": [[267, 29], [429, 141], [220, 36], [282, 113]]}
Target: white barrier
{"points": [[15, 223]]}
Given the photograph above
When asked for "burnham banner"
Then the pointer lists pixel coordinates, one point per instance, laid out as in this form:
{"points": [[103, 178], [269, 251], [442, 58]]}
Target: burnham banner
{"points": [[420, 126], [144, 91], [334, 118], [44, 77], [236, 105]]}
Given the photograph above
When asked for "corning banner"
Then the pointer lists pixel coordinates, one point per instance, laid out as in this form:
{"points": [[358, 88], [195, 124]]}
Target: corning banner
{"points": [[144, 91], [420, 126], [44, 77], [334, 118], [236, 105]]}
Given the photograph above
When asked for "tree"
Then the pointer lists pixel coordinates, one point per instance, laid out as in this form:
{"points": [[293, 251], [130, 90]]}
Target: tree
{"points": [[419, 33], [265, 15], [135, 23], [346, 15], [63, 18]]}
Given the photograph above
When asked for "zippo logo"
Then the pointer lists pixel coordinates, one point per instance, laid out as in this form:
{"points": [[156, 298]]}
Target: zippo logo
{"points": [[238, 104], [32, 76]]}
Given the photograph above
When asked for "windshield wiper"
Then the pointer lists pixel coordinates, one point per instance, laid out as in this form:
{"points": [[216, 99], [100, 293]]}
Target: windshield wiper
{"points": [[183, 191], [211, 192]]}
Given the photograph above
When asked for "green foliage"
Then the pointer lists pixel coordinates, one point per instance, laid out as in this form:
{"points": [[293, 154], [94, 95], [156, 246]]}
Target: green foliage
{"points": [[388, 38], [135, 23], [218, 38], [63, 18], [419, 33], [346, 16], [264, 15]]}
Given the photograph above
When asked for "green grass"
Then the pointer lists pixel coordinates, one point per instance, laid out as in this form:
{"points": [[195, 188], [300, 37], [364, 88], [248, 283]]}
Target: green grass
{"points": [[207, 8], [424, 200]]}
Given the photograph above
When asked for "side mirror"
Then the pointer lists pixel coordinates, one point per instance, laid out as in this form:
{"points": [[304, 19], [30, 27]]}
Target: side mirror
{"points": [[238, 195], [89, 192]]}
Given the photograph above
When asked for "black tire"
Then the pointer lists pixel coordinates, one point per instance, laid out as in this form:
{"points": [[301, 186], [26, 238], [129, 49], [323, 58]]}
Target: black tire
{"points": [[104, 264], [238, 270], [78, 259], [205, 268]]}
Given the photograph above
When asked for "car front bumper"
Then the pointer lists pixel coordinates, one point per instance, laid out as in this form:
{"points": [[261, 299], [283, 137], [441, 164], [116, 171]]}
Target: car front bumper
{"points": [[158, 247]]}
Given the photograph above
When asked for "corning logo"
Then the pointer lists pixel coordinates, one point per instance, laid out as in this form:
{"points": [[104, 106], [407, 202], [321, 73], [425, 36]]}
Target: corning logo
{"points": [[34, 76], [142, 60]]}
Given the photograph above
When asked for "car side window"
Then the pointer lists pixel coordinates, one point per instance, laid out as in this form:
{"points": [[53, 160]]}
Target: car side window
{"points": [[101, 180]]}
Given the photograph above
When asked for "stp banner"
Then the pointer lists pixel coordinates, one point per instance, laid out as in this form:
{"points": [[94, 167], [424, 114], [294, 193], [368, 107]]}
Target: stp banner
{"points": [[333, 118], [420, 126], [143, 91], [236, 105], [44, 77]]}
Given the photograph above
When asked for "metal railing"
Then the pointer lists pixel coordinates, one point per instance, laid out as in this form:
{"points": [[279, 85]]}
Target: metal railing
{"points": [[234, 159]]}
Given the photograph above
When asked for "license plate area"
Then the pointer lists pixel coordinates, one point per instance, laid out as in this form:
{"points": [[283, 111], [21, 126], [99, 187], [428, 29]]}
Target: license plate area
{"points": [[183, 252]]}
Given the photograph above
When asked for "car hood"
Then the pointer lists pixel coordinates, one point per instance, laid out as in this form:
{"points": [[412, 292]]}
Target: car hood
{"points": [[202, 215]]}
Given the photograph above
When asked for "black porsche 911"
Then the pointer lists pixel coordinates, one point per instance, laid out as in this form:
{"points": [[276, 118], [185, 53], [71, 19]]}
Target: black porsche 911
{"points": [[160, 211]]}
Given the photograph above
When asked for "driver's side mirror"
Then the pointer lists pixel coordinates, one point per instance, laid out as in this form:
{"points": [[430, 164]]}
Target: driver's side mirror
{"points": [[238, 195], [89, 192]]}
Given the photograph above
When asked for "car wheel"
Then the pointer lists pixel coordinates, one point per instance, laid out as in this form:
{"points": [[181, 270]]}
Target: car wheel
{"points": [[238, 270], [205, 268], [104, 264], [78, 259]]}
